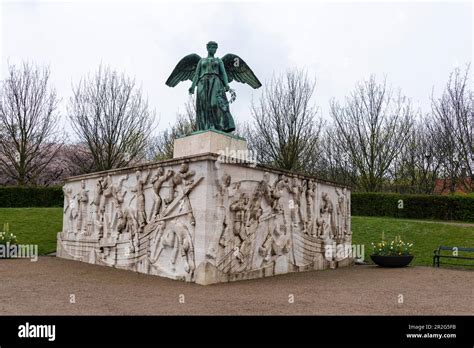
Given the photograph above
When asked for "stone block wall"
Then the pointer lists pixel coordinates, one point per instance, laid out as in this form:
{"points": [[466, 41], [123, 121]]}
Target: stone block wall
{"points": [[204, 220]]}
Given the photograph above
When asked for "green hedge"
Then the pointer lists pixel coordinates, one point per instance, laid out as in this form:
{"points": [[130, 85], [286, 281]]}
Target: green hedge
{"points": [[19, 197], [454, 207], [435, 207]]}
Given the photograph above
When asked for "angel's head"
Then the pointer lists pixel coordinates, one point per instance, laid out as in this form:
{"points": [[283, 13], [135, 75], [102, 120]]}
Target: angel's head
{"points": [[211, 47]]}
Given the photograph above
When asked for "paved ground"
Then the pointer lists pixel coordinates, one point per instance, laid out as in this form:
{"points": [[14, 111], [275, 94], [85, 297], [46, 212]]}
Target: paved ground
{"points": [[45, 287]]}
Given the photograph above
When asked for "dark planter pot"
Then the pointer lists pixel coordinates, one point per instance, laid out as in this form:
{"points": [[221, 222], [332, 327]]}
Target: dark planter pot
{"points": [[392, 261]]}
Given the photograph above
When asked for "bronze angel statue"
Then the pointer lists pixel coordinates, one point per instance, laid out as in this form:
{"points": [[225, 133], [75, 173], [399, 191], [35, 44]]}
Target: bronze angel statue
{"points": [[211, 76]]}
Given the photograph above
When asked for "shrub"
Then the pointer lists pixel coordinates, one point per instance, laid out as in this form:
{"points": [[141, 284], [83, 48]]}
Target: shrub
{"points": [[453, 207], [6, 236], [20, 197]]}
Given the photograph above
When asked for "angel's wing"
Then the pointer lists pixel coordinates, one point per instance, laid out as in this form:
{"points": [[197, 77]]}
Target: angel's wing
{"points": [[184, 70], [239, 71]]}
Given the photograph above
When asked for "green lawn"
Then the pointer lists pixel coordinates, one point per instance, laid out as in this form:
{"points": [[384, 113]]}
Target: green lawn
{"points": [[425, 236], [40, 226], [34, 226]]}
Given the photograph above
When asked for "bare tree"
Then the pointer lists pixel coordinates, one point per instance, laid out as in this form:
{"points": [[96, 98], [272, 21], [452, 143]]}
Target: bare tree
{"points": [[371, 128], [416, 168], [29, 137], [161, 146], [61, 167], [111, 119], [453, 113], [333, 164], [285, 131]]}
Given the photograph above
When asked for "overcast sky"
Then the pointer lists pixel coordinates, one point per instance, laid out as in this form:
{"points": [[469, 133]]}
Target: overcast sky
{"points": [[415, 45]]}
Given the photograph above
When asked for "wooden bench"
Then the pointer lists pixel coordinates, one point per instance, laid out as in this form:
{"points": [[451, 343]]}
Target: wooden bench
{"points": [[437, 253]]}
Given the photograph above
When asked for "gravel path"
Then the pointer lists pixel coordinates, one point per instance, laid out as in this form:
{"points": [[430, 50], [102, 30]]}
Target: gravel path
{"points": [[45, 287]]}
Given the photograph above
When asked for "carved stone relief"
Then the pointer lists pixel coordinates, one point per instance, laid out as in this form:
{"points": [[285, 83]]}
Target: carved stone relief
{"points": [[246, 223]]}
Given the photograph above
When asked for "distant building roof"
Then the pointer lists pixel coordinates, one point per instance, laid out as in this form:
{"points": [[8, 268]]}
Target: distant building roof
{"points": [[443, 186]]}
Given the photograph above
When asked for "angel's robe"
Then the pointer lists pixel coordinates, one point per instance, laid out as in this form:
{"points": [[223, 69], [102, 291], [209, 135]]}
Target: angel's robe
{"points": [[212, 106]]}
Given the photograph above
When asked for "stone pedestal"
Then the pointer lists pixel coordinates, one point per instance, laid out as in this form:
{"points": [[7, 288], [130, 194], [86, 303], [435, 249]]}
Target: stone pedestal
{"points": [[211, 141], [204, 218]]}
